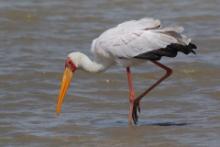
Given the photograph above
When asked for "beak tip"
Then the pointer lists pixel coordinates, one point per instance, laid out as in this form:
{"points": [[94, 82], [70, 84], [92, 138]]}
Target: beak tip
{"points": [[58, 112]]}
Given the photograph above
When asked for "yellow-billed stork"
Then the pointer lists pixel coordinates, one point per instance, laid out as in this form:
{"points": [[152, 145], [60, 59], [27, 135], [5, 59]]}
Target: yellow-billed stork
{"points": [[128, 44]]}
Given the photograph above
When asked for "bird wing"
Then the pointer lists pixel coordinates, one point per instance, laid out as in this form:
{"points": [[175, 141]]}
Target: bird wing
{"points": [[142, 24], [136, 37]]}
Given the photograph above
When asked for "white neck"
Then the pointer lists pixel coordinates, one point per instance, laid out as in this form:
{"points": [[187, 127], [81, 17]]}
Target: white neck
{"points": [[92, 66], [83, 62]]}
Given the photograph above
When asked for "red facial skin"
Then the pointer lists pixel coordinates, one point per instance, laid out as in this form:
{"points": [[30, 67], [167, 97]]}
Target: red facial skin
{"points": [[70, 64]]}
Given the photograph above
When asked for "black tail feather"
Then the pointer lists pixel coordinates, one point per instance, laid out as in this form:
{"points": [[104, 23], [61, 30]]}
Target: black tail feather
{"points": [[170, 51]]}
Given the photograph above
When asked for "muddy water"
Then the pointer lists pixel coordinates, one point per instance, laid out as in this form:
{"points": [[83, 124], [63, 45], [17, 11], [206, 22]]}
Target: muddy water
{"points": [[35, 37]]}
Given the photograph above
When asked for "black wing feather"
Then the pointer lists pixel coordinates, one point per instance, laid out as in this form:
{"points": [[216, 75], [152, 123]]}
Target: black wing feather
{"points": [[169, 51]]}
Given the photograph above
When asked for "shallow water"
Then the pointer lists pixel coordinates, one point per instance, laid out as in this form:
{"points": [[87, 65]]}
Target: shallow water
{"points": [[35, 38]]}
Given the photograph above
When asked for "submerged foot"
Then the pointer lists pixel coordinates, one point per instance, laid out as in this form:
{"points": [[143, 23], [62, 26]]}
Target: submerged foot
{"points": [[136, 109]]}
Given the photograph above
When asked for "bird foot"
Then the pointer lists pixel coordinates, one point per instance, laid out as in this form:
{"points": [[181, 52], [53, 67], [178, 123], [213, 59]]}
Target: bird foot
{"points": [[136, 109]]}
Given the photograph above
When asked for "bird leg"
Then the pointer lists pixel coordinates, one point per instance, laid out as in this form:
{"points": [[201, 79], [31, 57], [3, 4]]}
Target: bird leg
{"points": [[131, 95], [136, 105]]}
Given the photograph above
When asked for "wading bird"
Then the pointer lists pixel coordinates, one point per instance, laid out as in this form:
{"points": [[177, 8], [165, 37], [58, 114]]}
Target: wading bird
{"points": [[129, 44]]}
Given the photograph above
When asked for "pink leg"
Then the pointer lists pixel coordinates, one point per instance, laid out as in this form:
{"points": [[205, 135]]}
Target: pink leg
{"points": [[131, 95], [138, 99]]}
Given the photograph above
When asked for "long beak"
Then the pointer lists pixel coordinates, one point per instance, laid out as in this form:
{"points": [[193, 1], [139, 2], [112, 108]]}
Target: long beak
{"points": [[67, 76]]}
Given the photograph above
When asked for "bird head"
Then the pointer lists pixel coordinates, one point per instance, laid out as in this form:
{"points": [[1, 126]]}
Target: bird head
{"points": [[74, 61], [71, 65]]}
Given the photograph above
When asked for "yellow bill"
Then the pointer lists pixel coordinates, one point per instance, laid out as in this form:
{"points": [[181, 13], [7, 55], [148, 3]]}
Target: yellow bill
{"points": [[65, 83]]}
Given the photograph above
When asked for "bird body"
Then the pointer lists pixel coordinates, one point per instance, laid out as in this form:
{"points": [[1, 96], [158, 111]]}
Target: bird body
{"points": [[129, 44], [132, 38]]}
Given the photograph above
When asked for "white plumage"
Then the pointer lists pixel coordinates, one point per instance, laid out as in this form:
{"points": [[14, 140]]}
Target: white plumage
{"points": [[135, 37]]}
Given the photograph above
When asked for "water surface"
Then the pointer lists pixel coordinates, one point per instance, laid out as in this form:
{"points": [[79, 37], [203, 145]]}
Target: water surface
{"points": [[36, 36]]}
